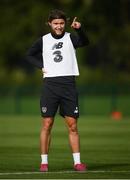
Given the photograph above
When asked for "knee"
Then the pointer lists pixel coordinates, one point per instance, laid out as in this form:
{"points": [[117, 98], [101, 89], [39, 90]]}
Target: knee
{"points": [[73, 128], [47, 124]]}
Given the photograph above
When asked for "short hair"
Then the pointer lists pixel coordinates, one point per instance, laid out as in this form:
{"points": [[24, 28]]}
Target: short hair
{"points": [[56, 14]]}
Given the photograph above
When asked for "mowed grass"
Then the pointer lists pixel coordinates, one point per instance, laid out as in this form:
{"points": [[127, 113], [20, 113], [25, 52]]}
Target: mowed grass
{"points": [[105, 147]]}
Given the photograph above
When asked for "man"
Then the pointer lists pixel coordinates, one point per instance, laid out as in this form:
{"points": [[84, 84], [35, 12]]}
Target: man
{"points": [[54, 53]]}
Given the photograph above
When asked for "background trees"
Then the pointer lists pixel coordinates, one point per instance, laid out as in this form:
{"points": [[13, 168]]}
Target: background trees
{"points": [[105, 60]]}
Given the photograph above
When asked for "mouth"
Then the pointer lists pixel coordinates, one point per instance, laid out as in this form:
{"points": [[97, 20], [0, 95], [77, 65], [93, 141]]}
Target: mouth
{"points": [[58, 31]]}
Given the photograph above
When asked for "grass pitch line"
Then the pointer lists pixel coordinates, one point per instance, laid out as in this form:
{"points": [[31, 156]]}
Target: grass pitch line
{"points": [[63, 172]]}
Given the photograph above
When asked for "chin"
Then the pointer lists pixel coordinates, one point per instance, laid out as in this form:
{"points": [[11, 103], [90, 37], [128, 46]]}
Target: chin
{"points": [[58, 33]]}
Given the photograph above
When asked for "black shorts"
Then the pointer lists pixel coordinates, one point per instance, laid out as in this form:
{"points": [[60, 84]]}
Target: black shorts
{"points": [[59, 97]]}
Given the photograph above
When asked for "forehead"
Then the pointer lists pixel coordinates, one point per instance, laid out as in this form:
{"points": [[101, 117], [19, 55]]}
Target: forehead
{"points": [[58, 21]]}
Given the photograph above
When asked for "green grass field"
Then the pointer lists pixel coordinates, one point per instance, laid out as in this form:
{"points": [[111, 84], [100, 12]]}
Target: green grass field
{"points": [[105, 147]]}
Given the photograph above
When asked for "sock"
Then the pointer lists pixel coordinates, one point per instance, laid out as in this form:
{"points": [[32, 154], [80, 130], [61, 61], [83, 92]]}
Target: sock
{"points": [[44, 158], [76, 158]]}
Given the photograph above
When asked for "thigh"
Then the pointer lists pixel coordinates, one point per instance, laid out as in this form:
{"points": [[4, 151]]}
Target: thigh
{"points": [[49, 101]]}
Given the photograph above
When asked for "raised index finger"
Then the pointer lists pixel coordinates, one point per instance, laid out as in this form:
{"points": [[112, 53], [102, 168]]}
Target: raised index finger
{"points": [[74, 19]]}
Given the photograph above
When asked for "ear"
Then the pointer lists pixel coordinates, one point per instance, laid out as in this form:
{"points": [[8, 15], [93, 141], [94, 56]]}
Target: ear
{"points": [[49, 23]]}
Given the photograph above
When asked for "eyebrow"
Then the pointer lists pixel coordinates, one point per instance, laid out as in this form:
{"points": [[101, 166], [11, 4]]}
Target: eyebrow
{"points": [[58, 22]]}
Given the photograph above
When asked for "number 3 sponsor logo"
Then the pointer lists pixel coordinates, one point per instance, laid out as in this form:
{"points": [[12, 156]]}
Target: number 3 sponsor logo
{"points": [[58, 57]]}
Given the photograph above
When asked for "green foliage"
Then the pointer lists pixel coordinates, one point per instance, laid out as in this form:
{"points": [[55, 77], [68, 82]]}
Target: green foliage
{"points": [[108, 27]]}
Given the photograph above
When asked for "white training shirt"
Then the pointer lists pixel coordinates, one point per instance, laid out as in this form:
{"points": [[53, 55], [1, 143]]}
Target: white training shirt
{"points": [[59, 57]]}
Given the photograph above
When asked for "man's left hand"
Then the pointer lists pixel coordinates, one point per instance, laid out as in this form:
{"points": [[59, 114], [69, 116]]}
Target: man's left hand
{"points": [[75, 24]]}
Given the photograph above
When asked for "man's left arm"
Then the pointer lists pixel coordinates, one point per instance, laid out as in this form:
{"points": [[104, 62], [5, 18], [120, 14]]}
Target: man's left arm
{"points": [[81, 38]]}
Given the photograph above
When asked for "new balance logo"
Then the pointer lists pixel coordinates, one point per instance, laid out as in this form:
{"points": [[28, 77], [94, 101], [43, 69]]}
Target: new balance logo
{"points": [[57, 45], [76, 110]]}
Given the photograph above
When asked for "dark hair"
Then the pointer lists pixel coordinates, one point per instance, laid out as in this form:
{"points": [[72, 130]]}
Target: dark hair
{"points": [[56, 14]]}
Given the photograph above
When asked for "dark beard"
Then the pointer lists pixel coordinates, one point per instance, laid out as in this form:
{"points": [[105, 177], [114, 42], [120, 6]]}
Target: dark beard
{"points": [[56, 35]]}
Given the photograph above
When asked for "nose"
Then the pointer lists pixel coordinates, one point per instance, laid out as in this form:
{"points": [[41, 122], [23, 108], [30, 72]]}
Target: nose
{"points": [[59, 26]]}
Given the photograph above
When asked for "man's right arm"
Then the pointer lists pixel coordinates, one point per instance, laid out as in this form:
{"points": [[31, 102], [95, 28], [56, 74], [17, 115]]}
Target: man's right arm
{"points": [[34, 54]]}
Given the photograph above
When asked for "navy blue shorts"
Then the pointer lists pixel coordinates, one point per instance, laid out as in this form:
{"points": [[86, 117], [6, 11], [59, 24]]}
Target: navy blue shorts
{"points": [[62, 98]]}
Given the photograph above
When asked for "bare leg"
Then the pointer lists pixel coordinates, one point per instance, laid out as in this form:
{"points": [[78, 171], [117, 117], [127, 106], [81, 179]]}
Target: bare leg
{"points": [[45, 135], [74, 143], [73, 134]]}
